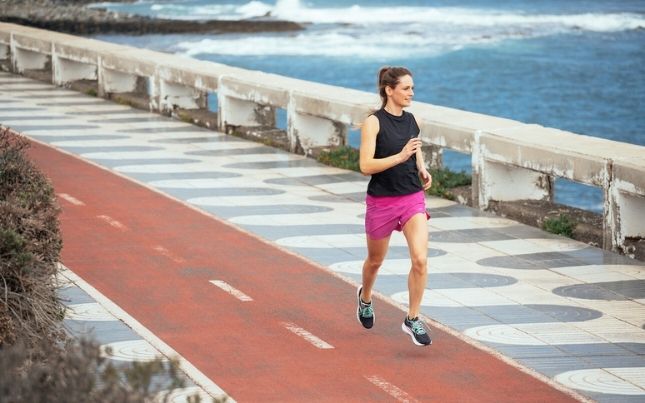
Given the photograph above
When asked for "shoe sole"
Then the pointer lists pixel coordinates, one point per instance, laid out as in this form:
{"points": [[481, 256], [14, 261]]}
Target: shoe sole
{"points": [[358, 301], [407, 331]]}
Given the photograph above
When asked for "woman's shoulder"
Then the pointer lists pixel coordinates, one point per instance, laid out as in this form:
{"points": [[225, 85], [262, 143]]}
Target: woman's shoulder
{"points": [[372, 119], [371, 124], [377, 114]]}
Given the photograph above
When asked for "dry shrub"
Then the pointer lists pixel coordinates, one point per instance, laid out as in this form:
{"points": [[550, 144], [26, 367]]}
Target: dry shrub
{"points": [[38, 363], [76, 372], [30, 245], [33, 209]]}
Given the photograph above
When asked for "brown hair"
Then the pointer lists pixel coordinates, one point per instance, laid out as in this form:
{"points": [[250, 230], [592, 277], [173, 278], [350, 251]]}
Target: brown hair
{"points": [[389, 77]]}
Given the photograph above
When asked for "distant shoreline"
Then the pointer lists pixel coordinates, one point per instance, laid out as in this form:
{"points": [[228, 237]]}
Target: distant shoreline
{"points": [[74, 17]]}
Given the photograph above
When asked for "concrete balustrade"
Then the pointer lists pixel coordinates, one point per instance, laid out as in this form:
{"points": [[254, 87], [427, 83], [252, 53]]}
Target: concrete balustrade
{"points": [[511, 160], [339, 108], [625, 200], [30, 53], [524, 158], [4, 53], [66, 70], [241, 102], [5, 41], [72, 62], [181, 83]]}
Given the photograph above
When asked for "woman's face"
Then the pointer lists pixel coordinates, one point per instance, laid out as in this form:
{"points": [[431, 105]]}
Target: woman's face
{"points": [[403, 92]]}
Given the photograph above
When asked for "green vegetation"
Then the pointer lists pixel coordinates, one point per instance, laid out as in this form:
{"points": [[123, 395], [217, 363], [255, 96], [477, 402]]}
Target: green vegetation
{"points": [[444, 179], [91, 92], [344, 157], [122, 101], [185, 117], [561, 225]]}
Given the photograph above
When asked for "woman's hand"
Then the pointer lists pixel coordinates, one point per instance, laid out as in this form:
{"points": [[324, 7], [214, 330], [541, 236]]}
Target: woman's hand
{"points": [[410, 149], [426, 179]]}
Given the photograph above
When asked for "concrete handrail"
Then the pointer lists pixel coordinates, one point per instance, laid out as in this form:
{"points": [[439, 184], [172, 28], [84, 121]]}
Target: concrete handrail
{"points": [[511, 160]]}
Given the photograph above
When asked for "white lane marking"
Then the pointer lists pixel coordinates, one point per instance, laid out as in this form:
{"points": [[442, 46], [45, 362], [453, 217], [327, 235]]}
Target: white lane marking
{"points": [[193, 373], [307, 336], [165, 252], [71, 199], [112, 222], [390, 389], [231, 290]]}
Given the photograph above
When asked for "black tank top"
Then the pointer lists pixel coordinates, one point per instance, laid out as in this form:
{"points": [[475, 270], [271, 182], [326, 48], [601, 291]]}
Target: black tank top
{"points": [[394, 132]]}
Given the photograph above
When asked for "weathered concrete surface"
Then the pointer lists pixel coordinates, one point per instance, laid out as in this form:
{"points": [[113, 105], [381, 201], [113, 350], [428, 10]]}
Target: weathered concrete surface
{"points": [[453, 128], [198, 117], [588, 228]]}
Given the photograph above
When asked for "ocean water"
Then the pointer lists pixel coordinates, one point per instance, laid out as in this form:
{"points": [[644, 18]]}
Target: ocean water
{"points": [[576, 65]]}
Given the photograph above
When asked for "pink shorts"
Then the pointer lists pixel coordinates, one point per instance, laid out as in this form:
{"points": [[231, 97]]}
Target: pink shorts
{"points": [[388, 213]]}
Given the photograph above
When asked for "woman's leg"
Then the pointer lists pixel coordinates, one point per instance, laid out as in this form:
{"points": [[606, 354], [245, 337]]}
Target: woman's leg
{"points": [[416, 234], [376, 251]]}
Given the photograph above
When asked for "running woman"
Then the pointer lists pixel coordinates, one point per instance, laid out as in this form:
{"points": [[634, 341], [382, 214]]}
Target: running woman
{"points": [[390, 152]]}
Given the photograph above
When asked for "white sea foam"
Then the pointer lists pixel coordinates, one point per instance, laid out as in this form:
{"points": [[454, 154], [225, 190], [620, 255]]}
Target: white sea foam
{"points": [[293, 10], [179, 11], [339, 44], [380, 32], [464, 17]]}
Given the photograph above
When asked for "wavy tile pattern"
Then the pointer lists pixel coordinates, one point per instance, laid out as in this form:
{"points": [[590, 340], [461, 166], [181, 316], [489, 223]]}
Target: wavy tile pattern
{"points": [[570, 311]]}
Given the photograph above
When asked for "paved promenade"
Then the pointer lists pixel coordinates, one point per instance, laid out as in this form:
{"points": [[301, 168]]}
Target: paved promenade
{"points": [[248, 269]]}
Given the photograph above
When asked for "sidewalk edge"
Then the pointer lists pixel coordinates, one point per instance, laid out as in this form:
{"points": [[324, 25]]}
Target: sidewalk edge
{"points": [[189, 369]]}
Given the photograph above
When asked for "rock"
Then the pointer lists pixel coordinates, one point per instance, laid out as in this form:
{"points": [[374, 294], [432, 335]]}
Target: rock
{"points": [[75, 18]]}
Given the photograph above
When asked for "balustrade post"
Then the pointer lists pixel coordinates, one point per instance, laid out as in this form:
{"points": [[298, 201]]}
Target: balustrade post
{"points": [[432, 156], [232, 110], [497, 180], [66, 71], [5, 56], [24, 60], [307, 132], [624, 210], [173, 96]]}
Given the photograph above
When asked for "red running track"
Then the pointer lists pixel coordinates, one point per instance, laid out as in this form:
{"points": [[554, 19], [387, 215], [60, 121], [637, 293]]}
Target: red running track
{"points": [[155, 257]]}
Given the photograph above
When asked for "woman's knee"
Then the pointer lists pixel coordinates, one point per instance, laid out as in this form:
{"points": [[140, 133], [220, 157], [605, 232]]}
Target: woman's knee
{"points": [[373, 263], [420, 264]]}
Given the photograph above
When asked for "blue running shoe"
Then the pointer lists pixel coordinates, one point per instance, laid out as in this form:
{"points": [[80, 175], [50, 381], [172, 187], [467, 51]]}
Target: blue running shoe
{"points": [[365, 312], [417, 331]]}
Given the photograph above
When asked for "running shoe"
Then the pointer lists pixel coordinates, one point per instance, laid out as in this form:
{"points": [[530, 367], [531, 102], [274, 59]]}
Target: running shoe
{"points": [[365, 312], [417, 331]]}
